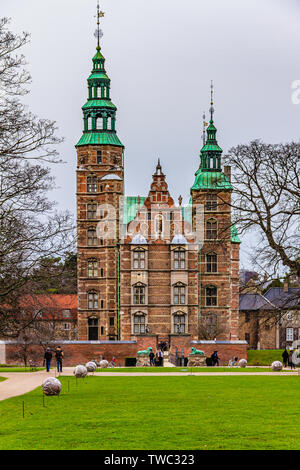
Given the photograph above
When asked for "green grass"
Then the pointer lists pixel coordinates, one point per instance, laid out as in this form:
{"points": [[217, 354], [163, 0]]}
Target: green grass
{"points": [[19, 369], [264, 357], [163, 413], [152, 370]]}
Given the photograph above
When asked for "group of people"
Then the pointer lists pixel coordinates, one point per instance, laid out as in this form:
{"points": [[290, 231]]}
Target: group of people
{"points": [[59, 354], [287, 358], [156, 359]]}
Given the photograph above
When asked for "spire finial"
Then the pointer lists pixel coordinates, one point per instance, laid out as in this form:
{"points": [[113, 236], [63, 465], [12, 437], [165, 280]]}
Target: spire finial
{"points": [[212, 110], [98, 32], [204, 128]]}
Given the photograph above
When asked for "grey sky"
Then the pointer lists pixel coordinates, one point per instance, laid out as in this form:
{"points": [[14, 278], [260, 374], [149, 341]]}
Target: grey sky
{"points": [[161, 56]]}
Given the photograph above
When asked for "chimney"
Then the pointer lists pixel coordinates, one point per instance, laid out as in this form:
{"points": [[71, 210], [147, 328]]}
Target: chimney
{"points": [[285, 286], [227, 171]]}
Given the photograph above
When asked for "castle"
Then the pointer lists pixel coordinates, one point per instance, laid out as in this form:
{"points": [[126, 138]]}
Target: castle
{"points": [[148, 267]]}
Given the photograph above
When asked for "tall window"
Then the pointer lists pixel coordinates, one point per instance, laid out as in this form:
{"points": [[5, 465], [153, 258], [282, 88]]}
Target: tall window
{"points": [[99, 123], [179, 294], [99, 94], [211, 263], [139, 324], [139, 259], [89, 123], [92, 237], [92, 300], [211, 296], [211, 229], [92, 210], [179, 258], [93, 329], [92, 184], [211, 202], [99, 157], [139, 294], [179, 323], [211, 325], [92, 268], [109, 123], [290, 334]]}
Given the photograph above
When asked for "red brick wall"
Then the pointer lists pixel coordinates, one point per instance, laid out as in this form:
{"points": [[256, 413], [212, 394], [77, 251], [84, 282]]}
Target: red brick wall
{"points": [[225, 351], [75, 354]]}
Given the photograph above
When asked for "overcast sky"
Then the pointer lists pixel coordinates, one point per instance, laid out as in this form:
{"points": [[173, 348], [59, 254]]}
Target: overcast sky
{"points": [[161, 56]]}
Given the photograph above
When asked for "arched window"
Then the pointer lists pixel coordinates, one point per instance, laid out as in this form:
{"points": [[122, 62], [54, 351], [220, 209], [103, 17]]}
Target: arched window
{"points": [[139, 259], [92, 237], [211, 229], [93, 300], [99, 123], [109, 123], [92, 210], [179, 295], [139, 324], [99, 93], [89, 123], [139, 294], [92, 268], [91, 184], [179, 323], [211, 202], [211, 296], [93, 329], [211, 263], [179, 258]]}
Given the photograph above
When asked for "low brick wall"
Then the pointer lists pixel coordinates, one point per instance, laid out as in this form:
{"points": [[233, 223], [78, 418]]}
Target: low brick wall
{"points": [[78, 352], [226, 349]]}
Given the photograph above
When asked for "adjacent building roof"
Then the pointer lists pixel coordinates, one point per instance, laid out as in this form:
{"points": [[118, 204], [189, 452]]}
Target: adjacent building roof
{"points": [[250, 302], [284, 299]]}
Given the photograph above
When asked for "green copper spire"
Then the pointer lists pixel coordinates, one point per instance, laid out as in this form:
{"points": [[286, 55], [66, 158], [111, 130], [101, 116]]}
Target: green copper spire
{"points": [[99, 113], [209, 175]]}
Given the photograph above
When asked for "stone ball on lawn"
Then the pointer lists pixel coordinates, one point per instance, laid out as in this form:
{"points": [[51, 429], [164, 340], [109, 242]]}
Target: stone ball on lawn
{"points": [[243, 363], [51, 386], [80, 372], [91, 366], [103, 364], [277, 366]]}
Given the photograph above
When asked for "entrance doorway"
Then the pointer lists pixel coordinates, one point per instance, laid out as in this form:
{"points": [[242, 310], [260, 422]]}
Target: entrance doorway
{"points": [[93, 329]]}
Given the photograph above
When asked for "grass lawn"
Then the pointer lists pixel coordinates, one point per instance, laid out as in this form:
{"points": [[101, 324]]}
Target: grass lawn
{"points": [[161, 413], [152, 370], [264, 357]]}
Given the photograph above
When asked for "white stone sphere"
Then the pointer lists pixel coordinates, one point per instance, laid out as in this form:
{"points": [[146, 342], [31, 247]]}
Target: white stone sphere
{"points": [[243, 363], [91, 366], [51, 386], [277, 366], [80, 372], [103, 364]]}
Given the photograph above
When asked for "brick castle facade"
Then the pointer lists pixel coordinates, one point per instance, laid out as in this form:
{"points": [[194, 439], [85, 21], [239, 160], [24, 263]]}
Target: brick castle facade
{"points": [[148, 267]]}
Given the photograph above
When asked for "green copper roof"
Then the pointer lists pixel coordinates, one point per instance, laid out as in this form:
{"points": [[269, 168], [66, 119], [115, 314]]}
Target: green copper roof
{"points": [[100, 75], [211, 180], [101, 138], [234, 235], [130, 208], [106, 103]]}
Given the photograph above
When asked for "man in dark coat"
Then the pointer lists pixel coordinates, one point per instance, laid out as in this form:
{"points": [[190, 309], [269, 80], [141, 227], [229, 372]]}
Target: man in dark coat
{"points": [[47, 359], [59, 357], [285, 358], [215, 358]]}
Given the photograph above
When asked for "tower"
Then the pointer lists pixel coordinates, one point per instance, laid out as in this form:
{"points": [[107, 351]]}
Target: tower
{"points": [[100, 183], [219, 256]]}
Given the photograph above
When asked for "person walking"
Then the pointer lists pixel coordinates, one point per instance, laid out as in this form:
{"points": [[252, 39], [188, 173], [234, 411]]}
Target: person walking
{"points": [[291, 360], [285, 357], [47, 359], [151, 357], [160, 356], [113, 362], [215, 358], [59, 354]]}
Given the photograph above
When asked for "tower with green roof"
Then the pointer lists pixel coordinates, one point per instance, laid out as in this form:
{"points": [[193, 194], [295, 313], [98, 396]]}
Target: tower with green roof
{"points": [[219, 255], [100, 183]]}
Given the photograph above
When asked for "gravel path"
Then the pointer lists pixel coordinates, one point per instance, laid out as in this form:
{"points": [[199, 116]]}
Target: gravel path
{"points": [[19, 383]]}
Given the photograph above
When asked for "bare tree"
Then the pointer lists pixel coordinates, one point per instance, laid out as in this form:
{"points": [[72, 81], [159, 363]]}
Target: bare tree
{"points": [[266, 199], [30, 227]]}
